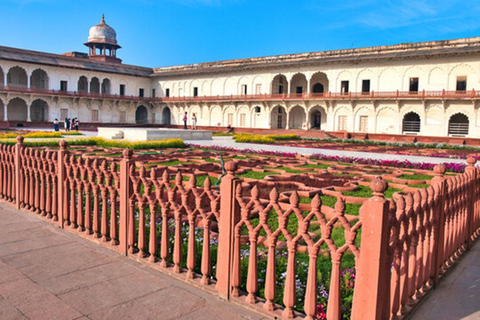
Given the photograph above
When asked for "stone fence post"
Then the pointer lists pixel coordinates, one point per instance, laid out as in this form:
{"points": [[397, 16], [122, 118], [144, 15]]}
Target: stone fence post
{"points": [[61, 176], [125, 193], [472, 176], [229, 217], [18, 165], [371, 297], [439, 185]]}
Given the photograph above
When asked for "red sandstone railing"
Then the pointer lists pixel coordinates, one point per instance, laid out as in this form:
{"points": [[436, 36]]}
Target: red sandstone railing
{"points": [[400, 247], [48, 92], [443, 94], [393, 95]]}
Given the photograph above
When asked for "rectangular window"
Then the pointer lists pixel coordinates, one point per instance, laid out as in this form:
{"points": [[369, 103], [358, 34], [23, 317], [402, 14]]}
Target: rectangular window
{"points": [[280, 89], [462, 83], [94, 115], [413, 85], [195, 91], [122, 89], [299, 90], [123, 117], [342, 123], [230, 119], [344, 87], [244, 89], [63, 114], [153, 93], [63, 85], [141, 92], [365, 86], [167, 92], [258, 88], [243, 117], [363, 124]]}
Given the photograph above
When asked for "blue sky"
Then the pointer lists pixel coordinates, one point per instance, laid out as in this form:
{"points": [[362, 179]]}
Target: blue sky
{"points": [[156, 33]]}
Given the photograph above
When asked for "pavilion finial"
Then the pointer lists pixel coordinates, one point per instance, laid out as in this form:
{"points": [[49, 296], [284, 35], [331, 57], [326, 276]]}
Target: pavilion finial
{"points": [[103, 17]]}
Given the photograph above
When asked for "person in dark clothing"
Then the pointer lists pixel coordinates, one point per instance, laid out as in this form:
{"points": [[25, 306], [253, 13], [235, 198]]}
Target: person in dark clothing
{"points": [[185, 119], [67, 124], [55, 124]]}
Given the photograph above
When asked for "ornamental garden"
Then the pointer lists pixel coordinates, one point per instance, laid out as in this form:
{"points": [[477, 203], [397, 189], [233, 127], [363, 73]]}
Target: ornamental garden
{"points": [[295, 222]]}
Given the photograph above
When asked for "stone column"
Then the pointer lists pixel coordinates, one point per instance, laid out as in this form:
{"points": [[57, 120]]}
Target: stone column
{"points": [[307, 119], [287, 119], [5, 112], [29, 115], [269, 118]]}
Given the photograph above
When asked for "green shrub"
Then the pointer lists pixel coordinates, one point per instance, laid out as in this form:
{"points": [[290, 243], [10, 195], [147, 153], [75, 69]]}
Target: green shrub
{"points": [[284, 136], [94, 141], [255, 138], [258, 138]]}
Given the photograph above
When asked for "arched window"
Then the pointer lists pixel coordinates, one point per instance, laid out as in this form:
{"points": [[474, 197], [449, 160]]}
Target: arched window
{"points": [[141, 115], [298, 84], [166, 116], [39, 79], [17, 110], [94, 85], [17, 77], [106, 86], [317, 88], [39, 111], [279, 84], [458, 125], [82, 84], [411, 122]]}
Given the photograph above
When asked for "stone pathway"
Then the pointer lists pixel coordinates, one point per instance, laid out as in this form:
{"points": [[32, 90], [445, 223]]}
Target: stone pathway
{"points": [[230, 143], [47, 273], [457, 296]]}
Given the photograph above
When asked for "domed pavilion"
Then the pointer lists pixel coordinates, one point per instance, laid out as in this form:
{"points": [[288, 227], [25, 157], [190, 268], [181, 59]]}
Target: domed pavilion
{"points": [[102, 43]]}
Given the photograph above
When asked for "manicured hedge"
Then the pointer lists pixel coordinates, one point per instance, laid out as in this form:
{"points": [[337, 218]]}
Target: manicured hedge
{"points": [[156, 144]]}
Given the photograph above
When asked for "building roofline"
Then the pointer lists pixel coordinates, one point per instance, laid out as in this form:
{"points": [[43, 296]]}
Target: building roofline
{"points": [[58, 60], [404, 50]]}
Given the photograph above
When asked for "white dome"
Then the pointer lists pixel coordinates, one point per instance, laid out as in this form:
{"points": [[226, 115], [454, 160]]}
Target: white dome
{"points": [[102, 33]]}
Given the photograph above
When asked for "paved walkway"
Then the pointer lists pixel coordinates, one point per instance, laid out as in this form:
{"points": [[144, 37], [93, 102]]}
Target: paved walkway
{"points": [[229, 142], [458, 294], [47, 273]]}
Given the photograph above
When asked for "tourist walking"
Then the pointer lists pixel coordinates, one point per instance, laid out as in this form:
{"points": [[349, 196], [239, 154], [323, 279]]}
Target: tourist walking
{"points": [[185, 119], [194, 122], [67, 124], [55, 125], [76, 124]]}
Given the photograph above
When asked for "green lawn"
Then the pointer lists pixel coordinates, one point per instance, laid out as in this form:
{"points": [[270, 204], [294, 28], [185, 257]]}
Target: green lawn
{"points": [[256, 174], [316, 166], [366, 192], [329, 201], [289, 170], [416, 177]]}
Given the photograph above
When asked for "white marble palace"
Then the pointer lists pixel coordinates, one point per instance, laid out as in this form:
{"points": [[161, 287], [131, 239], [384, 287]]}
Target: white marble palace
{"points": [[428, 88]]}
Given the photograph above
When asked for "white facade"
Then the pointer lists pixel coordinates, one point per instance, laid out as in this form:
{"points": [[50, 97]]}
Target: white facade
{"points": [[425, 88]]}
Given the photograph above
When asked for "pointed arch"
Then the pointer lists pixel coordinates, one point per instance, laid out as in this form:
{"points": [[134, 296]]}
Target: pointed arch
{"points": [[39, 79], [17, 77], [279, 84]]}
